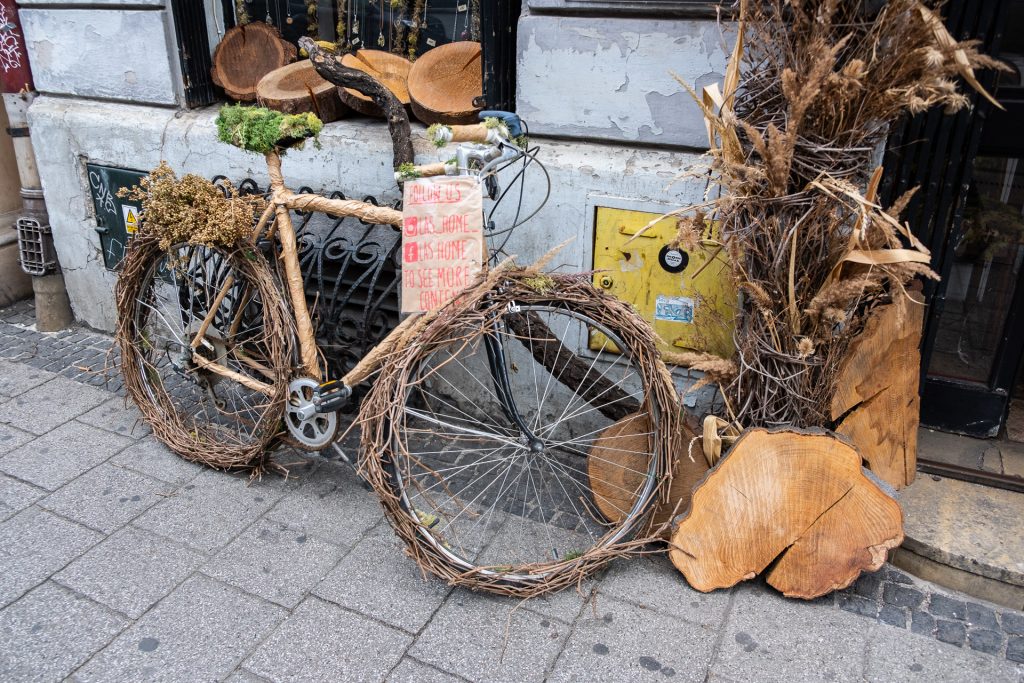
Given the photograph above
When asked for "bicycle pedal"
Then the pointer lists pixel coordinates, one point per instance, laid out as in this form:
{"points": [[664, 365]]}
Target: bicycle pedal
{"points": [[331, 396]]}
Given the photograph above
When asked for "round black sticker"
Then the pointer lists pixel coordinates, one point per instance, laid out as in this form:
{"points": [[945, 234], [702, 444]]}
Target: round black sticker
{"points": [[673, 260]]}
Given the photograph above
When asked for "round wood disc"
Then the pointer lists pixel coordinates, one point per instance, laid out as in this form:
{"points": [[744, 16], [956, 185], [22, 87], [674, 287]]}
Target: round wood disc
{"points": [[245, 55], [445, 82], [297, 88], [618, 458], [391, 70]]}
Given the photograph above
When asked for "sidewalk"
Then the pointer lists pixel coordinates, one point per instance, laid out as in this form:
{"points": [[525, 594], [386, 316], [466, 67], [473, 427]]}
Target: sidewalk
{"points": [[121, 562]]}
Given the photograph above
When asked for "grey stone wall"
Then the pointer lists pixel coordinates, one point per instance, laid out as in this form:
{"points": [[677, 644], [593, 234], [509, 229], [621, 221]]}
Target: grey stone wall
{"points": [[355, 158], [101, 50]]}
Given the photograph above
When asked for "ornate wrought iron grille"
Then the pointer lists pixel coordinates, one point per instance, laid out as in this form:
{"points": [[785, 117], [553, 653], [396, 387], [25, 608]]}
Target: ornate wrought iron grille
{"points": [[351, 272]]}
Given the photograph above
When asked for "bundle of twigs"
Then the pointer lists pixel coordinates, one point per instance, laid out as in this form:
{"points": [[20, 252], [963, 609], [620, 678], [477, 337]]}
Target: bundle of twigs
{"points": [[382, 416], [810, 93]]}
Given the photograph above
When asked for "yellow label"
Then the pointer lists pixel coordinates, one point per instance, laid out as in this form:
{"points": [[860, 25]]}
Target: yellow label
{"points": [[686, 295], [131, 218]]}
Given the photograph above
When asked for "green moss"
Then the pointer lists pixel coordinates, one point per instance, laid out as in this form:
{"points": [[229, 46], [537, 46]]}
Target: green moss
{"points": [[261, 130], [434, 133], [542, 284], [407, 171]]}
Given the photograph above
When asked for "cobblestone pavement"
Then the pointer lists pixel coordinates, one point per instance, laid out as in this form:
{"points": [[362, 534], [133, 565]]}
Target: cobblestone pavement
{"points": [[119, 561]]}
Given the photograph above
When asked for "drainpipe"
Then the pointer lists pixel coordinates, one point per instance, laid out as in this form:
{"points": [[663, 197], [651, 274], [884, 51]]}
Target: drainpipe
{"points": [[35, 240]]}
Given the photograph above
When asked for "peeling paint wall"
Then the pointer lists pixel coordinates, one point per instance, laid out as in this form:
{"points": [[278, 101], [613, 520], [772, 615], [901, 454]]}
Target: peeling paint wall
{"points": [[105, 53], [612, 78]]}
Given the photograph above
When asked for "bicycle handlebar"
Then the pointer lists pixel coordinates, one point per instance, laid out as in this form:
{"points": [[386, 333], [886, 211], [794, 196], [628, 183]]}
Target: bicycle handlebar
{"points": [[330, 68]]}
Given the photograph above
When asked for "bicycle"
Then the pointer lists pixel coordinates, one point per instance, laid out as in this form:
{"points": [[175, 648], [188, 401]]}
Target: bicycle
{"points": [[523, 429]]}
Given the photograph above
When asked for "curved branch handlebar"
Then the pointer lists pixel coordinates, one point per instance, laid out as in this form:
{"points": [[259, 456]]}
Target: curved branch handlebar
{"points": [[330, 68]]}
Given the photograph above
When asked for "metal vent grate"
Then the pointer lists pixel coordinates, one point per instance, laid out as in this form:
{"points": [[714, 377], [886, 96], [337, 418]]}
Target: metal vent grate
{"points": [[35, 247]]}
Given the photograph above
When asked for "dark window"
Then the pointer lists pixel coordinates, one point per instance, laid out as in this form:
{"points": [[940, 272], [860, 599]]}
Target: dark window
{"points": [[654, 9], [407, 27]]}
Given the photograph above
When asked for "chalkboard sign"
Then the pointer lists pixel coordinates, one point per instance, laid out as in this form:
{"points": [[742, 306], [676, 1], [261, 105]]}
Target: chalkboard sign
{"points": [[117, 221]]}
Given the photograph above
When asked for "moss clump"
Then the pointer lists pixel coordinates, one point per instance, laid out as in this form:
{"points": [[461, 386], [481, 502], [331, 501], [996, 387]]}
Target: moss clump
{"points": [[542, 283], [407, 171], [435, 133], [192, 209], [261, 130]]}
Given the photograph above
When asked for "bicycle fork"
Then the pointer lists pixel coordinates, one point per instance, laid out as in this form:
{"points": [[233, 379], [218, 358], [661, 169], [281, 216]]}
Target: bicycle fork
{"points": [[503, 387]]}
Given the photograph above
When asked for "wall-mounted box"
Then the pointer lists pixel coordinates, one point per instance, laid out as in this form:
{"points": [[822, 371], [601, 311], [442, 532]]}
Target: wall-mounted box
{"points": [[117, 219], [686, 295]]}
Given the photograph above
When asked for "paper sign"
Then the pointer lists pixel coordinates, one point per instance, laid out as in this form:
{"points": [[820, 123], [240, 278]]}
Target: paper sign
{"points": [[442, 240]]}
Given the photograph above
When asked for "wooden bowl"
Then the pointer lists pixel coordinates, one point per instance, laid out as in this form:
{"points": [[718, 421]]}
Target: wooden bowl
{"points": [[297, 88], [391, 70], [444, 83]]}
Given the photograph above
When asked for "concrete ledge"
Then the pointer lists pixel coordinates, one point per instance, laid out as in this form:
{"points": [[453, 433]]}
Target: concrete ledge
{"points": [[992, 590], [965, 536]]}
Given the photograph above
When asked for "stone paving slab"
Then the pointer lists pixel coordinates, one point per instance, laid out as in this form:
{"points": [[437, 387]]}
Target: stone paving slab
{"points": [[208, 512], [410, 670], [57, 457], [770, 637], [106, 497], [50, 405], [487, 638], [117, 415], [130, 571], [11, 438], [201, 631], [17, 378], [400, 596], [52, 631], [321, 641], [624, 643], [204, 578], [275, 562], [150, 457], [16, 496], [35, 544]]}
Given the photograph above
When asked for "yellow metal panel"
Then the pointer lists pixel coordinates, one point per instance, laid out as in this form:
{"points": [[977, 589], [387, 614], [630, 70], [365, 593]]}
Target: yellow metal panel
{"points": [[691, 310]]}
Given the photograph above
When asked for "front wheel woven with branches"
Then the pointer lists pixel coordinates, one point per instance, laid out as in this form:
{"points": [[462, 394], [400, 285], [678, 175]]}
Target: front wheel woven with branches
{"points": [[205, 349], [523, 437]]}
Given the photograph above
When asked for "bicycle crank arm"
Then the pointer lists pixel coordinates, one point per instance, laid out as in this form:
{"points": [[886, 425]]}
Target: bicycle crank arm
{"points": [[331, 396]]}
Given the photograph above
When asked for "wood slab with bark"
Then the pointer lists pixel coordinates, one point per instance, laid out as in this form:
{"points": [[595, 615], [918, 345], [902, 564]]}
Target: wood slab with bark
{"points": [[618, 459], [876, 402], [445, 82], [296, 89], [797, 498], [245, 55], [391, 70]]}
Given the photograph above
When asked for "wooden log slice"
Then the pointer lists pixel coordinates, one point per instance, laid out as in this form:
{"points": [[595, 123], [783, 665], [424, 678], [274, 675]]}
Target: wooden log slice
{"points": [[798, 494], [876, 402], [445, 82], [391, 70], [245, 55], [296, 89], [620, 456]]}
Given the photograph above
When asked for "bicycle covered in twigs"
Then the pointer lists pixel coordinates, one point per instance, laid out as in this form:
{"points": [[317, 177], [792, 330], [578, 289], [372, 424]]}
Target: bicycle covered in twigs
{"points": [[518, 437]]}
